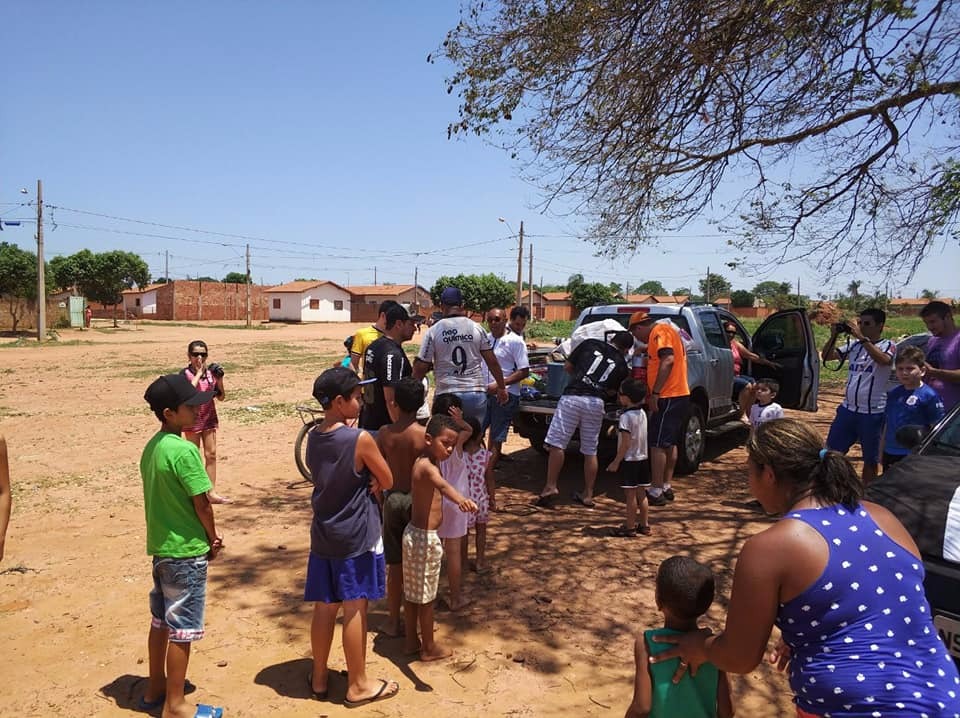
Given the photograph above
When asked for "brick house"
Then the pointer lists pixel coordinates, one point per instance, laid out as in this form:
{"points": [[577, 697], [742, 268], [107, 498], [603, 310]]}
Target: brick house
{"points": [[191, 300]]}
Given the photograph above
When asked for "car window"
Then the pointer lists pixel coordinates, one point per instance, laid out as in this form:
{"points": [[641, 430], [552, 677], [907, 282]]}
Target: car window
{"points": [[713, 330], [624, 319], [785, 331], [947, 440]]}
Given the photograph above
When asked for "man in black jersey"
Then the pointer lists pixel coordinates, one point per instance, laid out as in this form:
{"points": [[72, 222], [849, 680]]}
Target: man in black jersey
{"points": [[385, 361], [596, 370]]}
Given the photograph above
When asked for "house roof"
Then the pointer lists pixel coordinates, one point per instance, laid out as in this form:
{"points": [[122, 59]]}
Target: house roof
{"points": [[656, 298], [141, 290], [302, 285], [385, 289], [911, 302], [557, 296]]}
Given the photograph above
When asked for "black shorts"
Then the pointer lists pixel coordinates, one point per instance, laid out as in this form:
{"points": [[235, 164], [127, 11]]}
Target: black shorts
{"points": [[890, 459], [634, 474], [666, 422]]}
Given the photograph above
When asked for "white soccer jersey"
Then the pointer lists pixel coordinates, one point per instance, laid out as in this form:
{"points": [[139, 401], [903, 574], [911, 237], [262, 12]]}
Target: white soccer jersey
{"points": [[867, 381], [511, 353], [453, 346], [760, 413], [634, 422]]}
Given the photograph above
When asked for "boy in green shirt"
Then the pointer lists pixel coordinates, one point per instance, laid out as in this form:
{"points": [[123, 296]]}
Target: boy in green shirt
{"points": [[181, 537]]}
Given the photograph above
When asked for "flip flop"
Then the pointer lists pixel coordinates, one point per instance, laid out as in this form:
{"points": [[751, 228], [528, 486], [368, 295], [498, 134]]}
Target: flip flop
{"points": [[207, 711], [378, 696], [578, 498], [316, 695], [545, 502], [623, 532]]}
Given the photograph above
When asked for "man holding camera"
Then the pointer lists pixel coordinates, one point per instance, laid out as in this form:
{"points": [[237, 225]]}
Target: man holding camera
{"points": [[860, 414]]}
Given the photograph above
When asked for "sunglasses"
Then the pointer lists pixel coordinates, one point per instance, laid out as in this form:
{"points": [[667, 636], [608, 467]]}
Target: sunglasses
{"points": [[198, 354]]}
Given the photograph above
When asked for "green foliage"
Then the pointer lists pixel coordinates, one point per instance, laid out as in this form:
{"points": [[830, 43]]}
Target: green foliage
{"points": [[769, 289], [481, 292], [741, 298], [573, 281], [18, 280], [235, 278], [651, 286], [549, 330], [715, 285], [682, 292], [590, 294]]}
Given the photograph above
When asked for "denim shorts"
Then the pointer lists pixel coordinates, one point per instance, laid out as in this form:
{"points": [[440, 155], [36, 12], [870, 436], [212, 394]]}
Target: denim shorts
{"points": [[499, 417], [179, 596], [474, 404], [335, 580], [849, 427]]}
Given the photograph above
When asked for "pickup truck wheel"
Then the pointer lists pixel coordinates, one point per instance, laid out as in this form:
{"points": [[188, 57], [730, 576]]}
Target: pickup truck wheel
{"points": [[692, 441], [537, 443]]}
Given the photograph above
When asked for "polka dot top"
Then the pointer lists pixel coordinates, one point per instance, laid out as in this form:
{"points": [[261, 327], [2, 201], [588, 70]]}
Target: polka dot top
{"points": [[862, 637]]}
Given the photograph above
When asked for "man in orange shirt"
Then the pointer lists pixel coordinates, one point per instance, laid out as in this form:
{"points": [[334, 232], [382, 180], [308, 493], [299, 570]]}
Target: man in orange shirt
{"points": [[668, 397]]}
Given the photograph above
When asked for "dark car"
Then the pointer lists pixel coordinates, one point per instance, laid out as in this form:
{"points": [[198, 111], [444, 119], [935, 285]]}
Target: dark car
{"points": [[923, 491]]}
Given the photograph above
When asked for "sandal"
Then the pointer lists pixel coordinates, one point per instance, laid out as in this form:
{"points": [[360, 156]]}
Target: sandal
{"points": [[381, 695], [623, 532], [578, 498], [645, 530]]}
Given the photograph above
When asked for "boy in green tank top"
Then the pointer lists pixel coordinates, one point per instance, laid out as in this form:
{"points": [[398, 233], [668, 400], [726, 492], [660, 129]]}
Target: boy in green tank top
{"points": [[684, 593]]}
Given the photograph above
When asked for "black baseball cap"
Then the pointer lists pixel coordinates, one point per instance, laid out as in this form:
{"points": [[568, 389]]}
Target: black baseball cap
{"points": [[338, 381], [174, 390], [397, 313]]}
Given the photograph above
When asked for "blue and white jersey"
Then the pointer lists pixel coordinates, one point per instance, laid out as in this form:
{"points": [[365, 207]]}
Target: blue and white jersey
{"points": [[867, 382]]}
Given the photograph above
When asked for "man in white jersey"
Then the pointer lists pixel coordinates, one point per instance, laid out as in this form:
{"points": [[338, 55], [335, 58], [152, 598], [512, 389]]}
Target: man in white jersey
{"points": [[456, 348], [860, 414], [511, 353]]}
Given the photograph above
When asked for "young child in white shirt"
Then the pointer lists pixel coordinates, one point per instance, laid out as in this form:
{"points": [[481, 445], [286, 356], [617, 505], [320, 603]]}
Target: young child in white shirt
{"points": [[764, 408], [631, 460]]}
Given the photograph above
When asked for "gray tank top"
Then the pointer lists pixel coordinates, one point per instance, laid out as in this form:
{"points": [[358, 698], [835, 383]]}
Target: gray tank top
{"points": [[346, 522]]}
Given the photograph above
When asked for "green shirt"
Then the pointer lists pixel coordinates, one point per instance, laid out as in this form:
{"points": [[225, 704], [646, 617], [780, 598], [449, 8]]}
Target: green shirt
{"points": [[692, 697], [173, 474]]}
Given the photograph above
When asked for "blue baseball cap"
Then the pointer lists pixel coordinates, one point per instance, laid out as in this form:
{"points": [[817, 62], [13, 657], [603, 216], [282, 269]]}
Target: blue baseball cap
{"points": [[451, 297]]}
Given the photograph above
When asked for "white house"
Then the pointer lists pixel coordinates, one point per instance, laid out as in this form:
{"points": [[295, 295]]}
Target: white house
{"points": [[141, 302], [309, 300]]}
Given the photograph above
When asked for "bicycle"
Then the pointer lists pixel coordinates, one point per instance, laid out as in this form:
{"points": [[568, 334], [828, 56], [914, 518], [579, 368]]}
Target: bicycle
{"points": [[311, 417]]}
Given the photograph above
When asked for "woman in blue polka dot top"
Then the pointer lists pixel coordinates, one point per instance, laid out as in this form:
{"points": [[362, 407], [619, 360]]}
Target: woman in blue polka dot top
{"points": [[842, 580]]}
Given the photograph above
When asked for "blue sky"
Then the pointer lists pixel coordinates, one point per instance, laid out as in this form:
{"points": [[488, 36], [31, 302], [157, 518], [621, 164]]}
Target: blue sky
{"points": [[315, 129]]}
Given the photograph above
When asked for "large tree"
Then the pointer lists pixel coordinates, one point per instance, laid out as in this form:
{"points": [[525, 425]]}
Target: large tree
{"points": [[715, 285], [18, 280], [102, 277], [589, 294], [481, 292], [651, 286], [836, 119]]}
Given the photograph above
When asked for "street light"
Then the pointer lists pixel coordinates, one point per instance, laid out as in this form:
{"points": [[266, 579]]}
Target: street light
{"points": [[519, 260]]}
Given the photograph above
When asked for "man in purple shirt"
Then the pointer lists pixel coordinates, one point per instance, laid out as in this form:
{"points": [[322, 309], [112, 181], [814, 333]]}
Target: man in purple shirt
{"points": [[943, 352]]}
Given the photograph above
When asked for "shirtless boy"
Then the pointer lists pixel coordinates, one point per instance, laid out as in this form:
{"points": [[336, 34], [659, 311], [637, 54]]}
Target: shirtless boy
{"points": [[422, 548], [400, 443]]}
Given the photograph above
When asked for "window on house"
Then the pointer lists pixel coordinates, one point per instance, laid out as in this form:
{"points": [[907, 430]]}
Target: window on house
{"points": [[276, 303], [338, 304], [136, 302], [314, 303]]}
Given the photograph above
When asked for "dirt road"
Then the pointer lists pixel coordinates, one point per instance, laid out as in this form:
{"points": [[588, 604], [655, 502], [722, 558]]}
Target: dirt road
{"points": [[548, 634]]}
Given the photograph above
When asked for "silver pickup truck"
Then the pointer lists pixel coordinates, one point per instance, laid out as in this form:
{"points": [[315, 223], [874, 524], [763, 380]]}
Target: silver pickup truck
{"points": [[784, 337]]}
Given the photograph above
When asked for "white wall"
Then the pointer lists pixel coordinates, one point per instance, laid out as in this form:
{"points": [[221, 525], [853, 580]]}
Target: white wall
{"points": [[148, 302], [296, 307]]}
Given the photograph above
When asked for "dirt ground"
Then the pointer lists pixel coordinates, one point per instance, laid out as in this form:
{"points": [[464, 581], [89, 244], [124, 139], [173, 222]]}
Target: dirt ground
{"points": [[549, 632]]}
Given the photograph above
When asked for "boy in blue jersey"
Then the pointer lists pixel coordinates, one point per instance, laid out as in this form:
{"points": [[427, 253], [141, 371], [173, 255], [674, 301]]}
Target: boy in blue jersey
{"points": [[684, 593], [913, 402]]}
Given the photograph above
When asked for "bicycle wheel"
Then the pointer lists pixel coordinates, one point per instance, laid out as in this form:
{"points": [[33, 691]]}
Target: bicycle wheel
{"points": [[300, 449]]}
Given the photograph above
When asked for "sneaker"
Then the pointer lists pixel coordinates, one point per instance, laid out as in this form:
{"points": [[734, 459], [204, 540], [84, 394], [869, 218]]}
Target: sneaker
{"points": [[660, 500], [668, 494]]}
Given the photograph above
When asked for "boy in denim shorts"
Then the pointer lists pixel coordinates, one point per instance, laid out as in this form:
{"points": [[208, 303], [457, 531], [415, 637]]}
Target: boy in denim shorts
{"points": [[181, 537]]}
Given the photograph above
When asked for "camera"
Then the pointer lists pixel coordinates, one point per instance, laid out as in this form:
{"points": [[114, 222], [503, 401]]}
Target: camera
{"points": [[216, 370], [842, 328]]}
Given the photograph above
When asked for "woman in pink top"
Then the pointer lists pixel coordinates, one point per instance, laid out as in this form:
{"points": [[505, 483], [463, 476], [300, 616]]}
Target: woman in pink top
{"points": [[204, 432]]}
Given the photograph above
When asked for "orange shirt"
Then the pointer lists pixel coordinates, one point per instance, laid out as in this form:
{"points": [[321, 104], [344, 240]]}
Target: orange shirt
{"points": [[664, 336]]}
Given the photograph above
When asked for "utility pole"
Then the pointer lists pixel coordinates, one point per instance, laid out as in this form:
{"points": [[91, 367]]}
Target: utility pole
{"points": [[416, 288], [541, 298], [248, 286], [374, 276], [708, 285], [166, 266], [798, 291], [530, 283], [520, 266], [41, 278]]}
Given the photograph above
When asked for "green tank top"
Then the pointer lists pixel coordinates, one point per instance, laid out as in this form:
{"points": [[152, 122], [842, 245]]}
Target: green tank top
{"points": [[693, 697]]}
